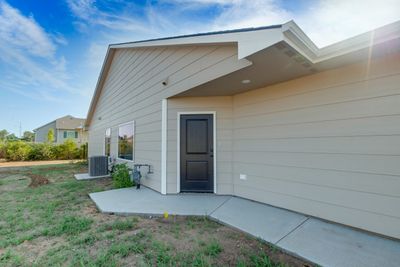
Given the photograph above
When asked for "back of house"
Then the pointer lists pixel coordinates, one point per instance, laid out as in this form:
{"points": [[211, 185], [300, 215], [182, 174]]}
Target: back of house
{"points": [[263, 114], [67, 127]]}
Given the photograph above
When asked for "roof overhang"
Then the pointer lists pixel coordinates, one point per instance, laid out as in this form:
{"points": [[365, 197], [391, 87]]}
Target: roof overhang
{"points": [[255, 44]]}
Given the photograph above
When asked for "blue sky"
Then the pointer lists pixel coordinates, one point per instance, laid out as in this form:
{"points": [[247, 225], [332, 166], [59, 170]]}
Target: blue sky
{"points": [[51, 51]]}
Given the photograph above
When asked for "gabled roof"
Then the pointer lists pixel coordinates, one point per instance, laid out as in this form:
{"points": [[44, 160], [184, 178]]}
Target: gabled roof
{"points": [[250, 41], [67, 122]]}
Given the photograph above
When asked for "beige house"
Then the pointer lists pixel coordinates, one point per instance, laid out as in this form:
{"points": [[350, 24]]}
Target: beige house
{"points": [[263, 114], [64, 128]]}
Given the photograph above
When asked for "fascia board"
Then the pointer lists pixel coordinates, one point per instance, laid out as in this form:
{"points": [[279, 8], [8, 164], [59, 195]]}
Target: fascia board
{"points": [[296, 38]]}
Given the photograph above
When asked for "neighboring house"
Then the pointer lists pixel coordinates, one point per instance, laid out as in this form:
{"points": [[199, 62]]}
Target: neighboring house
{"points": [[64, 128], [262, 114]]}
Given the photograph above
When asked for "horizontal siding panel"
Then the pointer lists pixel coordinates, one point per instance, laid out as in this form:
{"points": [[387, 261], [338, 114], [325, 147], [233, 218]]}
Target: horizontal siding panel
{"points": [[372, 183], [147, 80], [154, 86], [379, 204], [361, 108], [382, 125], [384, 225], [381, 145], [364, 90], [387, 165]]}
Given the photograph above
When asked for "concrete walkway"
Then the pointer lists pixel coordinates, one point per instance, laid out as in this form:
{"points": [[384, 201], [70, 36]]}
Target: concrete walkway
{"points": [[324, 243], [86, 176], [9, 164]]}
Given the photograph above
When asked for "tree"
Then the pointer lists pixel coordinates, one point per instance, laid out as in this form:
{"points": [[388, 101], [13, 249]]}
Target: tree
{"points": [[3, 134], [11, 137], [50, 136], [28, 136]]}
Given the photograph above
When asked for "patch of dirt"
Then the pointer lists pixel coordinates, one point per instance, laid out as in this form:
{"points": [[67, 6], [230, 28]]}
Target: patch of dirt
{"points": [[37, 180], [33, 250]]}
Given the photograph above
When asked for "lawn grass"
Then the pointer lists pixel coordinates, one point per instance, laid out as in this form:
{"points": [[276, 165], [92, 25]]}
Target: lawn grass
{"points": [[56, 224]]}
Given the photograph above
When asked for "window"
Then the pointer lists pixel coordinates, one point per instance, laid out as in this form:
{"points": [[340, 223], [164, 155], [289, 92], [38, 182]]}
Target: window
{"points": [[125, 141], [107, 142], [70, 134]]}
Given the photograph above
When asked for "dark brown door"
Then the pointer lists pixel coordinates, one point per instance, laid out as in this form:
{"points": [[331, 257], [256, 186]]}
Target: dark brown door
{"points": [[196, 145]]}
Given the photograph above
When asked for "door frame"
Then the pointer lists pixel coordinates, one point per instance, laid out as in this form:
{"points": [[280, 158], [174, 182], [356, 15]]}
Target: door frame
{"points": [[178, 146]]}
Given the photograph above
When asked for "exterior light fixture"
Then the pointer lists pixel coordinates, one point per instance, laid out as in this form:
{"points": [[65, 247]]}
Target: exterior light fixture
{"points": [[246, 81]]}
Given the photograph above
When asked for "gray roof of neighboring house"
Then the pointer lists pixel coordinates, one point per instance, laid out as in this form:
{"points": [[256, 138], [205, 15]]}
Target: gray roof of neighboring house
{"points": [[67, 122]]}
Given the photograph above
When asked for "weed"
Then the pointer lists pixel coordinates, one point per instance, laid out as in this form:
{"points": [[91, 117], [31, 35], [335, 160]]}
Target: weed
{"points": [[213, 248], [262, 260], [201, 261]]}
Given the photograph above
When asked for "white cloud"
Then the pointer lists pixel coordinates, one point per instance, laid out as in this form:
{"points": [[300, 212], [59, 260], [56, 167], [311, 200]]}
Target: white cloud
{"points": [[23, 32], [31, 66], [243, 14], [89, 15], [327, 21]]}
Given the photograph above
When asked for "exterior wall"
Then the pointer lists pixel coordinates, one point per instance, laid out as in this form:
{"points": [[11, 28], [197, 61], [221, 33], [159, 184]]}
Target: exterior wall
{"points": [[41, 133], [133, 90], [327, 145], [223, 108], [82, 137]]}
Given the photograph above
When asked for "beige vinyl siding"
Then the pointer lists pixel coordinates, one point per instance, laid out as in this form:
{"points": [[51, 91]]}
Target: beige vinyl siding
{"points": [[133, 90], [327, 145], [41, 133], [223, 108]]}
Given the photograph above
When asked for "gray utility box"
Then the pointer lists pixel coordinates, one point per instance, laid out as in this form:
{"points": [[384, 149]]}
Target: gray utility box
{"points": [[98, 166]]}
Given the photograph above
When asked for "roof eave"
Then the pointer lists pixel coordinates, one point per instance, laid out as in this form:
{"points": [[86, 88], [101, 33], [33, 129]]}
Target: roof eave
{"points": [[105, 67], [295, 37]]}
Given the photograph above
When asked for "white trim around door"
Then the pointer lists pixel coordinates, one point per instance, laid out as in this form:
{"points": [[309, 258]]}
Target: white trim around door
{"points": [[178, 162], [164, 118]]}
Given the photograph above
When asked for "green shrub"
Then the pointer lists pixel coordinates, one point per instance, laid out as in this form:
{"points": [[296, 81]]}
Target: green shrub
{"points": [[17, 150], [69, 150], [41, 152], [57, 151], [121, 176], [3, 150], [21, 150]]}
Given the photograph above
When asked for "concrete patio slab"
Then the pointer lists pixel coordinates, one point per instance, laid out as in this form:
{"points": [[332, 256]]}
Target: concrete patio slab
{"points": [[331, 244], [264, 221], [86, 176], [323, 243], [147, 201]]}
